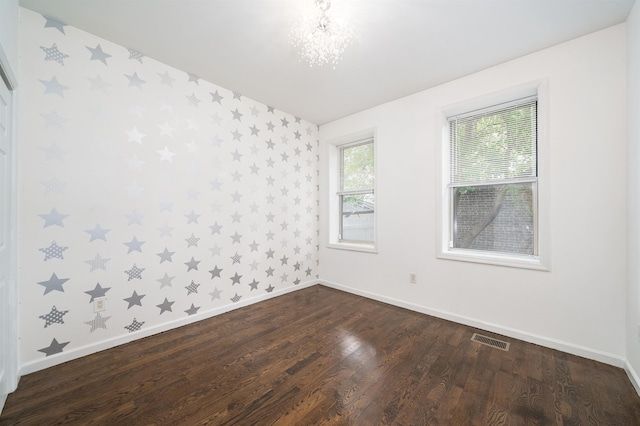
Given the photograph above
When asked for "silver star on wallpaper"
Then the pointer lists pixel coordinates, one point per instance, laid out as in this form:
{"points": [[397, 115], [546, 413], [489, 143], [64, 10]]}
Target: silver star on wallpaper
{"points": [[165, 306], [53, 54], [52, 87], [97, 233], [134, 245], [97, 54], [192, 310], [53, 23], [53, 283], [97, 263], [53, 317], [98, 322], [165, 281], [192, 264], [215, 294], [134, 272], [166, 255], [53, 218], [192, 288], [54, 251], [135, 299], [53, 348], [97, 292], [134, 326]]}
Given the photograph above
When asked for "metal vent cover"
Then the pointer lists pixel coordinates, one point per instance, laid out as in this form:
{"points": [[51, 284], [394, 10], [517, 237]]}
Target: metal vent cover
{"points": [[490, 341]]}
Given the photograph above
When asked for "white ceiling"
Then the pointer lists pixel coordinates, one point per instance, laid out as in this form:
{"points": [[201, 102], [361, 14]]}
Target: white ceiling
{"points": [[404, 46]]}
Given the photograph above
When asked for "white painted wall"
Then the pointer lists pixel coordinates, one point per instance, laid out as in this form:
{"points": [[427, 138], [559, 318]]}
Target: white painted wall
{"points": [[578, 305], [9, 35], [633, 191]]}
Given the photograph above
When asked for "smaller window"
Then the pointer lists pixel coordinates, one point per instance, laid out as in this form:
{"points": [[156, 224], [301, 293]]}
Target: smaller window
{"points": [[356, 201]]}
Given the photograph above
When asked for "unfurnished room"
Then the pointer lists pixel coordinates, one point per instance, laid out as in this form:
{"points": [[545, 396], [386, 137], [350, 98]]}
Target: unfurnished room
{"points": [[301, 212]]}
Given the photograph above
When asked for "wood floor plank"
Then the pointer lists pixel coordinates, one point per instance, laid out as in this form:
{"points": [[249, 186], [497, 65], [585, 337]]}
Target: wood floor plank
{"points": [[321, 356]]}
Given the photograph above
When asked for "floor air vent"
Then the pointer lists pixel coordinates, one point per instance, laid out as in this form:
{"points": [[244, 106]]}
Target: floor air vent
{"points": [[489, 341]]}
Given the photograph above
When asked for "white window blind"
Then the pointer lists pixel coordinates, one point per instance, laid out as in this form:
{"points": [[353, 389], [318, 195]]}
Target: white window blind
{"points": [[494, 145]]}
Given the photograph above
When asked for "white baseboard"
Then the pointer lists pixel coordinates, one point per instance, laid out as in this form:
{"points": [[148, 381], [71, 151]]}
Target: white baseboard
{"points": [[633, 376], [79, 352], [571, 348]]}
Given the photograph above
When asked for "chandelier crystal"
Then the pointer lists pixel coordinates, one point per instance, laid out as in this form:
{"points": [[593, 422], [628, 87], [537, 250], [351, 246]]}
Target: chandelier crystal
{"points": [[320, 34]]}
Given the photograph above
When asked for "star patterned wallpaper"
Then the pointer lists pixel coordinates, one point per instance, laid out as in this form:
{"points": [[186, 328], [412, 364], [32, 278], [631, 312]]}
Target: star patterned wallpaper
{"points": [[139, 183]]}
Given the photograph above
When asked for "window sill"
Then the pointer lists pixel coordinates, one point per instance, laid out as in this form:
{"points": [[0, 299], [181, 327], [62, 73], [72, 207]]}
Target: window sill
{"points": [[367, 248], [512, 261]]}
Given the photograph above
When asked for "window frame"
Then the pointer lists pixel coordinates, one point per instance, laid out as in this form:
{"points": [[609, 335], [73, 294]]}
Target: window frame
{"points": [[444, 202], [336, 193]]}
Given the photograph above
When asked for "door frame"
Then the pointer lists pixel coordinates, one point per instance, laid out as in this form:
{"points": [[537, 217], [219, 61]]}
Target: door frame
{"points": [[9, 313]]}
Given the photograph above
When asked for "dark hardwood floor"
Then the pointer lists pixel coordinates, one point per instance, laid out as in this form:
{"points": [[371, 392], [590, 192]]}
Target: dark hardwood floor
{"points": [[321, 356]]}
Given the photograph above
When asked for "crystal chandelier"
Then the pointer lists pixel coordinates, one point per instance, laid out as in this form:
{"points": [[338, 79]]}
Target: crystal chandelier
{"points": [[320, 34]]}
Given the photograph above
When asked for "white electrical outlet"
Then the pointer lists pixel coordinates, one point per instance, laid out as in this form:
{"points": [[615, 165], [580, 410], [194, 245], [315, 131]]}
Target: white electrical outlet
{"points": [[413, 278], [100, 304]]}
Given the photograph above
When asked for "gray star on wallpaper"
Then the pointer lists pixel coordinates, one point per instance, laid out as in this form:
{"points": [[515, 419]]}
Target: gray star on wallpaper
{"points": [[52, 152], [215, 272], [192, 288], [270, 216], [270, 127], [296, 267], [53, 218], [134, 272], [236, 114], [284, 278], [270, 162], [53, 87], [269, 235], [215, 228], [254, 169], [165, 306], [236, 155], [254, 130], [192, 264], [284, 260], [135, 55], [97, 263], [97, 292], [98, 84], [285, 157], [254, 111], [236, 237], [53, 23], [192, 100], [53, 120], [97, 54], [235, 279], [285, 122], [271, 109], [166, 206], [254, 284], [236, 258], [97, 233], [192, 310], [216, 185], [237, 95], [166, 255], [215, 250], [192, 241], [270, 144], [165, 281], [135, 81], [166, 79], [194, 78], [53, 348], [54, 251], [98, 322], [270, 271], [236, 196], [135, 299], [270, 288], [192, 217], [134, 245], [53, 54], [53, 283], [135, 218], [215, 97], [308, 271], [53, 317], [297, 281], [215, 294], [165, 230], [236, 135], [236, 217], [254, 265], [134, 326]]}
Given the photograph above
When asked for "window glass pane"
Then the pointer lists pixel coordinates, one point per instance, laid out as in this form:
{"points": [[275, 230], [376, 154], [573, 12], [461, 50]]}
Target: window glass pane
{"points": [[499, 144], [357, 217], [496, 218], [357, 167]]}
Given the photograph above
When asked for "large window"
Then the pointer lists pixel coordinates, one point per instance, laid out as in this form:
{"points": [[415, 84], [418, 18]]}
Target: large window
{"points": [[356, 199], [492, 189], [352, 199]]}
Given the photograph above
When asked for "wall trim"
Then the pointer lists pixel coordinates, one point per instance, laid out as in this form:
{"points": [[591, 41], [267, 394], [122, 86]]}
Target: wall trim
{"points": [[82, 351], [560, 345], [633, 376]]}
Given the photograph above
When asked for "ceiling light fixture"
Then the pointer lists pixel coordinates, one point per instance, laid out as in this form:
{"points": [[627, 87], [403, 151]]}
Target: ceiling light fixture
{"points": [[320, 34]]}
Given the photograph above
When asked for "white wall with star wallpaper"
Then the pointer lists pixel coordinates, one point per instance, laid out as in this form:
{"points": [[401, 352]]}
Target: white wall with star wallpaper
{"points": [[172, 197]]}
